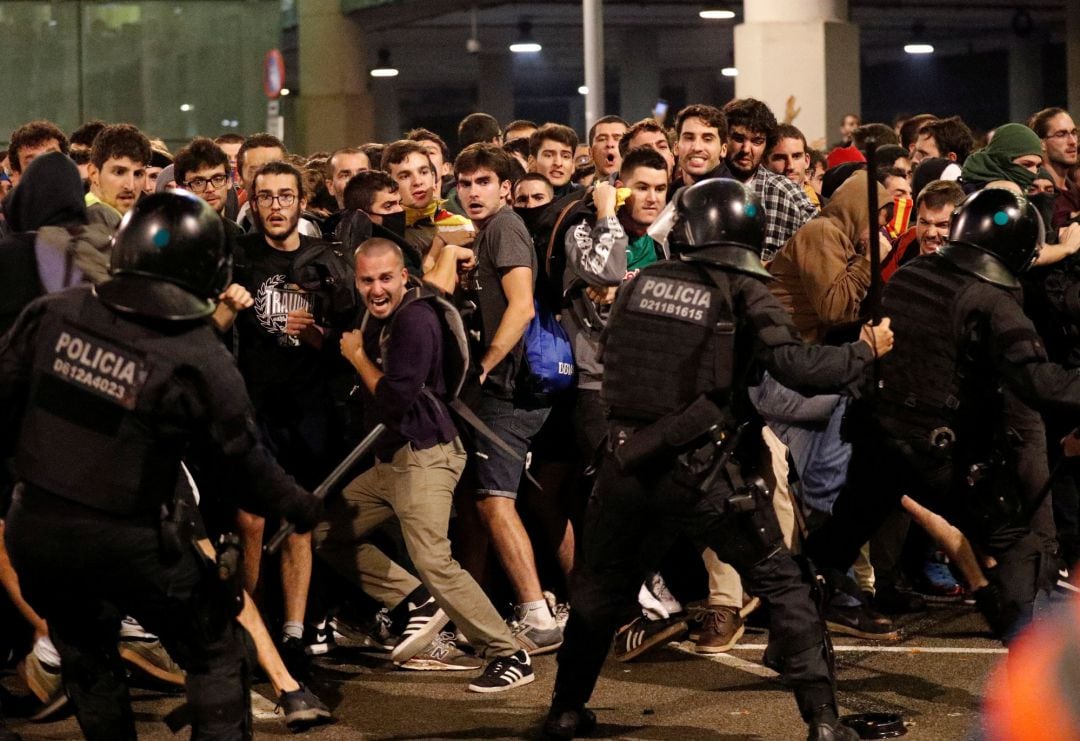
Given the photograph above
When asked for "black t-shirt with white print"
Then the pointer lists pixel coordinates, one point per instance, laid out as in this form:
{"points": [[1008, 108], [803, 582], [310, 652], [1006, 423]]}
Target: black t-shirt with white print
{"points": [[280, 371]]}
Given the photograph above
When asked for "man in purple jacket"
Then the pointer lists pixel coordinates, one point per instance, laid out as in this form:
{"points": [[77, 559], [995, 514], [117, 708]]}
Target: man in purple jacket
{"points": [[398, 355]]}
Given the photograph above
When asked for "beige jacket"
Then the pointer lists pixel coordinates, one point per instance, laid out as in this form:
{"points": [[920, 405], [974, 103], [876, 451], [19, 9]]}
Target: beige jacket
{"points": [[822, 274]]}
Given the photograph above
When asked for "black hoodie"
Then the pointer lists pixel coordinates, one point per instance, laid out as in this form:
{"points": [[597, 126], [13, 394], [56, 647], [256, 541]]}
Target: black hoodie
{"points": [[50, 193], [51, 246]]}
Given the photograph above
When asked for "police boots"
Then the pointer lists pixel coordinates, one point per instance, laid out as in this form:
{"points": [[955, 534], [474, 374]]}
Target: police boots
{"points": [[563, 723], [824, 726]]}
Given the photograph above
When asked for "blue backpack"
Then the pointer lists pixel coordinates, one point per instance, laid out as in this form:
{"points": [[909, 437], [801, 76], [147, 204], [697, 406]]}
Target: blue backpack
{"points": [[549, 358]]}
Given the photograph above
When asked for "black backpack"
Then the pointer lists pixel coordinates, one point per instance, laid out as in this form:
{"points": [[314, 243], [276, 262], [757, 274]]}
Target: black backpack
{"points": [[326, 272]]}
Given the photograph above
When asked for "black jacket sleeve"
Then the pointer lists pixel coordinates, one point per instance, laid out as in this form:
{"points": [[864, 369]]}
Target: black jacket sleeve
{"points": [[1018, 352], [16, 363], [214, 392], [808, 369]]}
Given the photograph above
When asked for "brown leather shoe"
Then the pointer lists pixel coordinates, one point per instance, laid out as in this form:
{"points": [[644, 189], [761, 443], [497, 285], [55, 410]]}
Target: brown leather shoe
{"points": [[721, 628]]}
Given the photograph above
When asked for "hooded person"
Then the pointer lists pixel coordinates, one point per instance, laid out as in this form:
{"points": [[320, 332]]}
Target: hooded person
{"points": [[166, 179], [836, 176], [51, 245], [355, 227], [822, 274], [998, 160], [931, 169]]}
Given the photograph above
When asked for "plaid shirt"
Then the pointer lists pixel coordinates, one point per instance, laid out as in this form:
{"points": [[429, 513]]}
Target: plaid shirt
{"points": [[786, 208]]}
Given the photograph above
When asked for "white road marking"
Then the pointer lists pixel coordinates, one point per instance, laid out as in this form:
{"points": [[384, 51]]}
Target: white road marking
{"points": [[262, 708], [688, 647]]}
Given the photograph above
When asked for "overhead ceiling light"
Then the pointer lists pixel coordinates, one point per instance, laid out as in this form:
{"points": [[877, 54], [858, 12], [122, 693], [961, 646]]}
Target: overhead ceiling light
{"points": [[384, 68], [285, 91], [525, 44], [472, 44], [185, 107], [730, 72], [583, 90], [710, 14], [919, 43]]}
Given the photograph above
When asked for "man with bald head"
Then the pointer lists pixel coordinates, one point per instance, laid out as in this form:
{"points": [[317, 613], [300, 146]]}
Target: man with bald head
{"points": [[398, 354]]}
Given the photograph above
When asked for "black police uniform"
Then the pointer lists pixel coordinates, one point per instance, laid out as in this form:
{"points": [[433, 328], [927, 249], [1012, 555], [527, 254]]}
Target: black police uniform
{"points": [[111, 400], [951, 424], [680, 332]]}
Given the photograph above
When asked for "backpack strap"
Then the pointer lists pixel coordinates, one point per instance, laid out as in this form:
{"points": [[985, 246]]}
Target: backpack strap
{"points": [[452, 323]]}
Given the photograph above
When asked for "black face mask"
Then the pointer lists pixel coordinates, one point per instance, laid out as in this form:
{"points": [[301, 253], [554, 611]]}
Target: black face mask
{"points": [[395, 222], [531, 216], [1044, 204]]}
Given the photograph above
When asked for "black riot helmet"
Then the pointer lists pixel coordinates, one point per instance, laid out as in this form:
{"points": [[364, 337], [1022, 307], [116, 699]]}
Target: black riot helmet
{"points": [[719, 221], [170, 259], [995, 235]]}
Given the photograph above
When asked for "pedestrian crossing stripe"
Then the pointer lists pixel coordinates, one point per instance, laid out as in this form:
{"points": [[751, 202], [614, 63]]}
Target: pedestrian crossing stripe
{"points": [[894, 649]]}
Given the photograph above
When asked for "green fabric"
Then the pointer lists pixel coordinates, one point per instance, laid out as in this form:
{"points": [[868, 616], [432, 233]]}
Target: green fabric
{"points": [[995, 161], [640, 251]]}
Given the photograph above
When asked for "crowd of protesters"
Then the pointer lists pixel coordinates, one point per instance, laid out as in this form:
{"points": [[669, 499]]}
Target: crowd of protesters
{"points": [[453, 548]]}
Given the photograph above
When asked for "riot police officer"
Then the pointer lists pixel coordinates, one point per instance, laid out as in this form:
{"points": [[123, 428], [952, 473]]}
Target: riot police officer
{"points": [[682, 340], [951, 423], [112, 386]]}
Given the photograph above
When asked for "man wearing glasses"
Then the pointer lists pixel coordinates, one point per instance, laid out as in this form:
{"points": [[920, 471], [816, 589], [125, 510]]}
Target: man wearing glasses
{"points": [[203, 168], [287, 376], [1059, 143]]}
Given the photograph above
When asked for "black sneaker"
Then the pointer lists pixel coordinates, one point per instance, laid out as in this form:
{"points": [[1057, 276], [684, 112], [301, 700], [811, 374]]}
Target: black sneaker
{"points": [[504, 673], [319, 638], [303, 709], [642, 634], [567, 724], [860, 623], [425, 622], [894, 601]]}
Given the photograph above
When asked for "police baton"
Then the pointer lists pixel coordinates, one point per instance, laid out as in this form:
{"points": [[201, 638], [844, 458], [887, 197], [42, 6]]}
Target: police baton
{"points": [[329, 483], [873, 293]]}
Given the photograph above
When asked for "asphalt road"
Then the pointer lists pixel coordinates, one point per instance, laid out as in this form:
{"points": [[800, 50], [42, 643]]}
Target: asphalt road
{"points": [[934, 676]]}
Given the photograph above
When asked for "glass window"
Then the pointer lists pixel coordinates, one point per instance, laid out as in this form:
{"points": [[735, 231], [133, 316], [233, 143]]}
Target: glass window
{"points": [[174, 69]]}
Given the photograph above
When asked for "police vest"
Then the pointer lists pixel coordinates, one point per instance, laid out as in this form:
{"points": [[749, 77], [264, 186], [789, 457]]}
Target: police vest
{"points": [[89, 432], [669, 341], [920, 381]]}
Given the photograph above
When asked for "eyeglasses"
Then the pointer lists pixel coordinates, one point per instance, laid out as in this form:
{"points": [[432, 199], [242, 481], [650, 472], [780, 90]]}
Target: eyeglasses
{"points": [[266, 200], [198, 185], [1062, 135]]}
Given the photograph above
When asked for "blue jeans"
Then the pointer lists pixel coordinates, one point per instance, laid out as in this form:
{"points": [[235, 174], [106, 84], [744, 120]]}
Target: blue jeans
{"points": [[810, 427]]}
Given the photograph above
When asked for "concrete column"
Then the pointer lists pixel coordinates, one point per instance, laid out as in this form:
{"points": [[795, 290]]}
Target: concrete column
{"points": [[1072, 58], [639, 75], [335, 107], [1025, 77], [496, 85], [593, 29], [805, 48]]}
